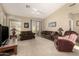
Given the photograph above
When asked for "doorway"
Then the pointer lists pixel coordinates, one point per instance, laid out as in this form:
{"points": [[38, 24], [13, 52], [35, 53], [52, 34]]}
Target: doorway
{"points": [[36, 27]]}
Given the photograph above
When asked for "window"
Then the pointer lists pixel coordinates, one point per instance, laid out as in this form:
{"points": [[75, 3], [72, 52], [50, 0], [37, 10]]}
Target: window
{"points": [[16, 25]]}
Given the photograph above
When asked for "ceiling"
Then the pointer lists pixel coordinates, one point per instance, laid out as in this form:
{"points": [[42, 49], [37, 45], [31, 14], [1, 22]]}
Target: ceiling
{"points": [[35, 10]]}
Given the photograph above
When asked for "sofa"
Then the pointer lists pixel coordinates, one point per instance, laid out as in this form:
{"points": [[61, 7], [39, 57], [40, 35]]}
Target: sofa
{"points": [[48, 34], [25, 35], [66, 42]]}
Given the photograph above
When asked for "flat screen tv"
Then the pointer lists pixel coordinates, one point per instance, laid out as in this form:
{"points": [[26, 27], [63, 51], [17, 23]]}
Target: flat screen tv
{"points": [[4, 34]]}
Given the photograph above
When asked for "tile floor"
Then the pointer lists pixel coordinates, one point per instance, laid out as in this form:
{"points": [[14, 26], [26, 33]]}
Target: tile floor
{"points": [[41, 47]]}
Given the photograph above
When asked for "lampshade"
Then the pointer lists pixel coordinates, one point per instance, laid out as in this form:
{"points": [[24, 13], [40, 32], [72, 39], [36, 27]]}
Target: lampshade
{"points": [[13, 29], [60, 29]]}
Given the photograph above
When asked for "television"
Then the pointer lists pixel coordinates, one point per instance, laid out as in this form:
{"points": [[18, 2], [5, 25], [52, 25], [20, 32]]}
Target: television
{"points": [[4, 34]]}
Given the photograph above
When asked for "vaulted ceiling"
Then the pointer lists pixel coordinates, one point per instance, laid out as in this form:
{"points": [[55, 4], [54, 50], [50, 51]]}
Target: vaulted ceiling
{"points": [[36, 10]]}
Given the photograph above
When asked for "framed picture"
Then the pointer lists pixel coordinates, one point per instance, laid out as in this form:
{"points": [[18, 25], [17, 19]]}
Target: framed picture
{"points": [[77, 23], [52, 24], [26, 25]]}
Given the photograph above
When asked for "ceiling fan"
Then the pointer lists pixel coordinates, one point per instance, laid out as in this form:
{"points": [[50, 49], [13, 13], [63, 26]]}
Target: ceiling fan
{"points": [[73, 4], [34, 9]]}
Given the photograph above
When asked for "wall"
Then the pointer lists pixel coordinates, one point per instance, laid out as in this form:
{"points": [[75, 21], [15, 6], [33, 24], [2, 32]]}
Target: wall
{"points": [[22, 20], [11, 18], [16, 18], [75, 18], [26, 20], [61, 17], [5, 19], [2, 16]]}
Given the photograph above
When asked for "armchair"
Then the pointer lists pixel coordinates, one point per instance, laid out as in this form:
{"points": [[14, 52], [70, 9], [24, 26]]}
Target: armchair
{"points": [[67, 42]]}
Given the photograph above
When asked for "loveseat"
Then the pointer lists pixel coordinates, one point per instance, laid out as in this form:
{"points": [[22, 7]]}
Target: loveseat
{"points": [[48, 34], [25, 35]]}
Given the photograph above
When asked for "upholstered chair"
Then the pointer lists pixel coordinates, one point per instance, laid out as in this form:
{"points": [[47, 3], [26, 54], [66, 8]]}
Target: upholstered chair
{"points": [[66, 43]]}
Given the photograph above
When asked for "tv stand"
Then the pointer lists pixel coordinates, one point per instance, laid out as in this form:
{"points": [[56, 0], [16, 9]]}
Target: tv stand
{"points": [[12, 49]]}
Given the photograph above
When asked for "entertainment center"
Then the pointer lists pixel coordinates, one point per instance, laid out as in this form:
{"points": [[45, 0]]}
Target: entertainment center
{"points": [[5, 47], [4, 35]]}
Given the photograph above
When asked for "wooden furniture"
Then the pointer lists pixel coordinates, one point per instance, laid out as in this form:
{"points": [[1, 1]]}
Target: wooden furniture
{"points": [[12, 49]]}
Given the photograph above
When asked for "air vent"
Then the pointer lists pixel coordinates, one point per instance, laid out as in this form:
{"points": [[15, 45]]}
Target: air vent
{"points": [[27, 6], [72, 4]]}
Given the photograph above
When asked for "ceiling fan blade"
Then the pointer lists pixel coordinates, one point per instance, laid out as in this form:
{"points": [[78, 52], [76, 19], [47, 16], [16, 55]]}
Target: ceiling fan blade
{"points": [[72, 4]]}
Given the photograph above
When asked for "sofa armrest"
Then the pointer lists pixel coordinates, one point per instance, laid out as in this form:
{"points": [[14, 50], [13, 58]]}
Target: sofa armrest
{"points": [[64, 45]]}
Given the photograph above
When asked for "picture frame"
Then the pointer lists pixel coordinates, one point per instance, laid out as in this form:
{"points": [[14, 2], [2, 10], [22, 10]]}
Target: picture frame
{"points": [[52, 24], [77, 23], [26, 25]]}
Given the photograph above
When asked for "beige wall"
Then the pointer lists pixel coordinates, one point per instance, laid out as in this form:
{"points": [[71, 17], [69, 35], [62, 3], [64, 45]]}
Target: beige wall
{"points": [[26, 20], [61, 17], [22, 20], [2, 16], [75, 18]]}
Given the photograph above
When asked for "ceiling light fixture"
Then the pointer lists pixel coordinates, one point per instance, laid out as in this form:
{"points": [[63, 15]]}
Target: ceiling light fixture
{"points": [[34, 9], [36, 13]]}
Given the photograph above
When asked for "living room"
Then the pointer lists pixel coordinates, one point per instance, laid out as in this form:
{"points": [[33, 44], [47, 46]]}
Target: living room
{"points": [[33, 26]]}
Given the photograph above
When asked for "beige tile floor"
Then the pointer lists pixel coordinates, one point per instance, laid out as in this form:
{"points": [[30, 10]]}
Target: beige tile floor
{"points": [[41, 47]]}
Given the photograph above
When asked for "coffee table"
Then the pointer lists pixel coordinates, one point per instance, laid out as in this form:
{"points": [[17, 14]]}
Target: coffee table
{"points": [[10, 48]]}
